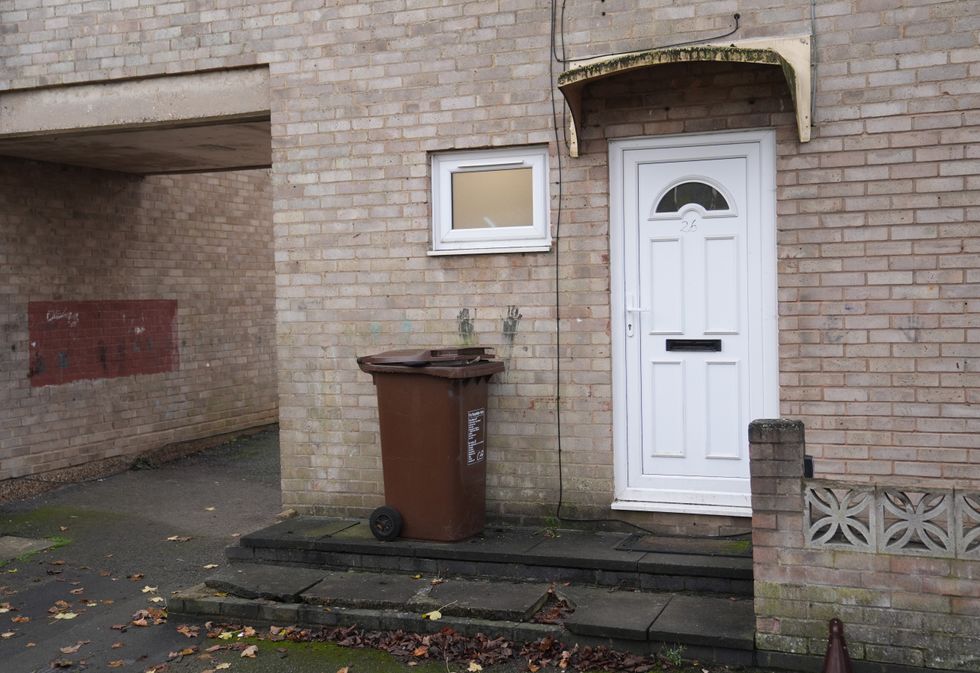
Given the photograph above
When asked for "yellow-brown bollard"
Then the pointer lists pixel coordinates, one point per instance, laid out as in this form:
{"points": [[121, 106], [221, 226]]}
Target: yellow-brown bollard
{"points": [[837, 659]]}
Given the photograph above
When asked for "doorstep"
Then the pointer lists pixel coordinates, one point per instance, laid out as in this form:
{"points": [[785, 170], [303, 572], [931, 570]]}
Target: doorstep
{"points": [[710, 627], [647, 562]]}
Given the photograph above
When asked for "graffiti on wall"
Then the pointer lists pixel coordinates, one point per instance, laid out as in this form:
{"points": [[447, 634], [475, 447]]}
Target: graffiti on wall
{"points": [[77, 340]]}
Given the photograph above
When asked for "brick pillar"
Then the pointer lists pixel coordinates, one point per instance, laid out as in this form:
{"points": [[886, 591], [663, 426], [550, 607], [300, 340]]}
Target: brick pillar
{"points": [[776, 448]]}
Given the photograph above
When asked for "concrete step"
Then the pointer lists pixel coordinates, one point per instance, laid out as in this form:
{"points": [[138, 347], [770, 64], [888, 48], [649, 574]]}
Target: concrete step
{"points": [[597, 558], [710, 628]]}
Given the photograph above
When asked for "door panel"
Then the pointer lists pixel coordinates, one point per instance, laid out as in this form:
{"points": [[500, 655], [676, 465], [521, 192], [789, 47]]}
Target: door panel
{"points": [[691, 271]]}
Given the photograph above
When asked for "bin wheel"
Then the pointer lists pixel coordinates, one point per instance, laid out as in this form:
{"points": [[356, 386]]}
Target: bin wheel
{"points": [[386, 523]]}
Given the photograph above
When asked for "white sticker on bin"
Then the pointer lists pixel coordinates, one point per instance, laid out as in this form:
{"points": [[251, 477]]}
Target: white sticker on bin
{"points": [[476, 436]]}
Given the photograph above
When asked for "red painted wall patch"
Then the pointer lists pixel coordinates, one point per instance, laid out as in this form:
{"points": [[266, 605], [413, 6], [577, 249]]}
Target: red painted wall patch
{"points": [[75, 340]]}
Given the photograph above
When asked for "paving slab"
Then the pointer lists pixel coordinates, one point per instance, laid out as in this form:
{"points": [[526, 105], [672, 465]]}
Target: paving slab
{"points": [[358, 539], [740, 546], [510, 601], [596, 551], [493, 545], [694, 564], [301, 532], [13, 547], [364, 590], [605, 613], [275, 583], [704, 620]]}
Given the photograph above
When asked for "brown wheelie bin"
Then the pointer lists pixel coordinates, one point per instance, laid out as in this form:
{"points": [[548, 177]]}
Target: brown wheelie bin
{"points": [[432, 408]]}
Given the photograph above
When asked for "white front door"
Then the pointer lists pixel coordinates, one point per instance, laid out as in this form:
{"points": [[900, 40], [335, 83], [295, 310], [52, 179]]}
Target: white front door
{"points": [[693, 277]]}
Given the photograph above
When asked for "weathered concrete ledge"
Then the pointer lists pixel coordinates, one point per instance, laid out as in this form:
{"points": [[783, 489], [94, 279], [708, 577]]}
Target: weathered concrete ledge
{"points": [[226, 95]]}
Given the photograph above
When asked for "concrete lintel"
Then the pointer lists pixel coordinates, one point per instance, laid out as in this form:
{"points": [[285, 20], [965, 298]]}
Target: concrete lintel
{"points": [[792, 54], [171, 100]]}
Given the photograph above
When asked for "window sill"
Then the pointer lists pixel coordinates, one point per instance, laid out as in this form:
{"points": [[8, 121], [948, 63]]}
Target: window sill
{"points": [[487, 251]]}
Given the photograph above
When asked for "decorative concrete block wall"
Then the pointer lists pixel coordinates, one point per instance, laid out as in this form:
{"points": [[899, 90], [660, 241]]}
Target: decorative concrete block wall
{"points": [[134, 313], [898, 567]]}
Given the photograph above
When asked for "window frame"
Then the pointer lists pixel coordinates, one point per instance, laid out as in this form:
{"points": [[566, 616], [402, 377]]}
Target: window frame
{"points": [[536, 237]]}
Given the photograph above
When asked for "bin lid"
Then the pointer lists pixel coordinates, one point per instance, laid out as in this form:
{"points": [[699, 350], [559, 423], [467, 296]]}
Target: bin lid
{"points": [[448, 362]]}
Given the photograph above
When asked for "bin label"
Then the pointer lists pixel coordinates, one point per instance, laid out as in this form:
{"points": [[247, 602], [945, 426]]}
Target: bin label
{"points": [[476, 436]]}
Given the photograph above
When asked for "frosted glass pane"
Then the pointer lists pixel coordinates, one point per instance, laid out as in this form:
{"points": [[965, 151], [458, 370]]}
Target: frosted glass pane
{"points": [[492, 198], [699, 193]]}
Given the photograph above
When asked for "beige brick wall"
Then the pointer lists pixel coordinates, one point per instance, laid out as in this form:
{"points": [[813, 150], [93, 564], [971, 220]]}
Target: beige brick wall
{"points": [[879, 287], [204, 240]]}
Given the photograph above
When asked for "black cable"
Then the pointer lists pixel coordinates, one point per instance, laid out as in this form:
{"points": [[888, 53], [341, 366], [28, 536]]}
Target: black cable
{"points": [[556, 34], [561, 183], [563, 60]]}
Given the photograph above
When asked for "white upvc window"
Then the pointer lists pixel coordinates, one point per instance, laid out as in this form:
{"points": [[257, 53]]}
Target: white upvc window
{"points": [[490, 201]]}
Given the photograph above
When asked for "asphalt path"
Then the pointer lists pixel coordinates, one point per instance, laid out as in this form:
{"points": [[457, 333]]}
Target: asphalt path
{"points": [[114, 557]]}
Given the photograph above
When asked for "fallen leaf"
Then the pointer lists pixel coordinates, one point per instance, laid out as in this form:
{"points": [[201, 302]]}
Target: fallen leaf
{"points": [[65, 615], [8, 634], [117, 645], [210, 566], [474, 667], [63, 528], [214, 648], [179, 538], [12, 570], [20, 619], [72, 649], [5, 607], [56, 563], [226, 635], [77, 592], [345, 669], [136, 577], [147, 589], [250, 651], [434, 615], [221, 667], [31, 645], [247, 632], [437, 581], [420, 651], [61, 663], [416, 577], [209, 509], [157, 599], [117, 663], [189, 631]]}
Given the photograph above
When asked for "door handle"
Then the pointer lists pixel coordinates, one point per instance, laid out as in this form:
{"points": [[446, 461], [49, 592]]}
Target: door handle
{"points": [[630, 320]]}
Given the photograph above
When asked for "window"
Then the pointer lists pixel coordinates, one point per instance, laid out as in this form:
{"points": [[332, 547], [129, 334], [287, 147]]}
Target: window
{"points": [[697, 193], [490, 201]]}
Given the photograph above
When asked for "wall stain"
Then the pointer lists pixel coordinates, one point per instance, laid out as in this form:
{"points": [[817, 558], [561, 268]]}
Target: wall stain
{"points": [[511, 322], [464, 325]]}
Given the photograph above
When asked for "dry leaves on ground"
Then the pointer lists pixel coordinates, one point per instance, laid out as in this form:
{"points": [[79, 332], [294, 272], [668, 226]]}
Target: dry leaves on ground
{"points": [[476, 652]]}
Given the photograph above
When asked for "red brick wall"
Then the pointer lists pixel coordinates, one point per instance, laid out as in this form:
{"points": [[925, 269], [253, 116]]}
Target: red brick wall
{"points": [[77, 340], [79, 251]]}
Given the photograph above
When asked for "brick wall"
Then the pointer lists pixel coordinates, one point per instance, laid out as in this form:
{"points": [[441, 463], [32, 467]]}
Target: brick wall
{"points": [[878, 252], [82, 240], [910, 605]]}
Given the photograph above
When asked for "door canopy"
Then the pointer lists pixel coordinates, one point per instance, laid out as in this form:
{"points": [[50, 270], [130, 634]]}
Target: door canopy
{"points": [[792, 54]]}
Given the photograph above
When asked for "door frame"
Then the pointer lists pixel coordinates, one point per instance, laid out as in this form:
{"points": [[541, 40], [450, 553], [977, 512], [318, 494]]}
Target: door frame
{"points": [[764, 243]]}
